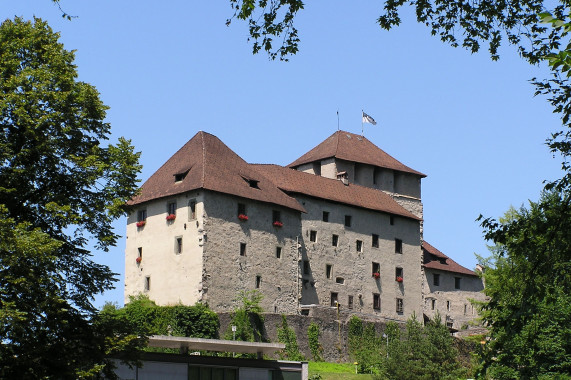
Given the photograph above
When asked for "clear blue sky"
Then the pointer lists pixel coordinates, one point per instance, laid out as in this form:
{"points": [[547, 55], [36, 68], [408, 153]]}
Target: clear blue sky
{"points": [[170, 69]]}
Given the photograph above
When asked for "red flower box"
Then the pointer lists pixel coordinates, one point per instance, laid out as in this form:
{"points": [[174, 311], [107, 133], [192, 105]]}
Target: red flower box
{"points": [[141, 223], [399, 279], [243, 217], [277, 223], [171, 217], [376, 275], [138, 260]]}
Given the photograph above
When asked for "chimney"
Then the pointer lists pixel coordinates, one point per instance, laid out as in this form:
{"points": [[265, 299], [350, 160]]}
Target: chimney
{"points": [[342, 176]]}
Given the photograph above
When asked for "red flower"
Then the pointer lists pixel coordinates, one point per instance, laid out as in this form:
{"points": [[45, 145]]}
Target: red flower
{"points": [[139, 259], [376, 275], [141, 223], [399, 279], [243, 217], [171, 217], [277, 223]]}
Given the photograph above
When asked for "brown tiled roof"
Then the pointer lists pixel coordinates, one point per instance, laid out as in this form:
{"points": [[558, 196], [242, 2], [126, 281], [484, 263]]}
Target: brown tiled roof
{"points": [[293, 181], [209, 164], [432, 259], [351, 147]]}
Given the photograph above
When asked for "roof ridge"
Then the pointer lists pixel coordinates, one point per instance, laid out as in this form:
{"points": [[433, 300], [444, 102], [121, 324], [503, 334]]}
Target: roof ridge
{"points": [[203, 143]]}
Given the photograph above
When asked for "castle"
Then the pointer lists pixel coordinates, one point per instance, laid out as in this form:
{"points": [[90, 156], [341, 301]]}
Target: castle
{"points": [[340, 226]]}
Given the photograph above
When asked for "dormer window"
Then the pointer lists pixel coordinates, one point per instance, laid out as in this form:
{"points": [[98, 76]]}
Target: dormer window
{"points": [[178, 177], [252, 182], [342, 176]]}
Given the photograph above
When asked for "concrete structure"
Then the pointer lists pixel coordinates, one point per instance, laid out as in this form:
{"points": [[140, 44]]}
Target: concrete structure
{"points": [[340, 225]]}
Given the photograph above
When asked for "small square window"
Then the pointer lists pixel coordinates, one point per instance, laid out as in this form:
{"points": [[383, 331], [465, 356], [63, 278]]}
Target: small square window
{"points": [[241, 209], [335, 240], [142, 215], [436, 279], [398, 246], [449, 324], [178, 245], [398, 274], [328, 270], [180, 176], [375, 241], [171, 208], [326, 216], [279, 252], [433, 304], [376, 301], [457, 281], [359, 246], [340, 280], [258, 281], [391, 220], [242, 249], [349, 302], [147, 283], [305, 266], [192, 209], [347, 220], [334, 299], [312, 236], [400, 305], [276, 216]]}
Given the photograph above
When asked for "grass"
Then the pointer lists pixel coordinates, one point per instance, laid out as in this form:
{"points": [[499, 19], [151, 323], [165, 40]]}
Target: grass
{"points": [[336, 371]]}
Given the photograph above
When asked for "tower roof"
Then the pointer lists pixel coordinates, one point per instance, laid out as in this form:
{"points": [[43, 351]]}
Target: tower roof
{"points": [[205, 162], [351, 147]]}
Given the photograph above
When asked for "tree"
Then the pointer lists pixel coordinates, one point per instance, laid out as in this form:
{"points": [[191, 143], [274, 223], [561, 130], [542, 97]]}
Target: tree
{"points": [[528, 280], [59, 187]]}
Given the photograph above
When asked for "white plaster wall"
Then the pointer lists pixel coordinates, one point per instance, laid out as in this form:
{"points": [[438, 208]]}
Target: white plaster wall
{"points": [[329, 168], [226, 273], [174, 277], [461, 312], [356, 268]]}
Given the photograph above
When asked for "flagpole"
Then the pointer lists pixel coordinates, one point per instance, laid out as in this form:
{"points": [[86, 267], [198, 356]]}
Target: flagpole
{"points": [[362, 123], [338, 119]]}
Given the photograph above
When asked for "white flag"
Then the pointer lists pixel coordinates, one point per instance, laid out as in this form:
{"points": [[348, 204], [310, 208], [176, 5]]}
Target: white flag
{"points": [[368, 119]]}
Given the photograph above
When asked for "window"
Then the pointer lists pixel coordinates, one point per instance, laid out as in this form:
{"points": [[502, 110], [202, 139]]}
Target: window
{"points": [[347, 220], [178, 245], [349, 302], [317, 168], [465, 309], [276, 216], [334, 299], [457, 282], [192, 209], [391, 220], [180, 176], [433, 306], [398, 274], [359, 246], [252, 182], [449, 324], [241, 209], [171, 208], [335, 240], [326, 216], [375, 242], [305, 266], [340, 280], [375, 175], [279, 252], [436, 279], [376, 301], [312, 235], [140, 252], [328, 270], [376, 269], [398, 246], [142, 215], [448, 305], [147, 283], [242, 249], [258, 281], [400, 305]]}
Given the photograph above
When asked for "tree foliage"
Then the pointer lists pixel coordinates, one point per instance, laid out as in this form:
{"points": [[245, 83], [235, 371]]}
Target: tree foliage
{"points": [[286, 335], [529, 282], [313, 342], [248, 319], [59, 187]]}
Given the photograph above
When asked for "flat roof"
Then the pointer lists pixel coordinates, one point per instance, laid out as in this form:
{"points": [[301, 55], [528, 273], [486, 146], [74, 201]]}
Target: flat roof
{"points": [[167, 341]]}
